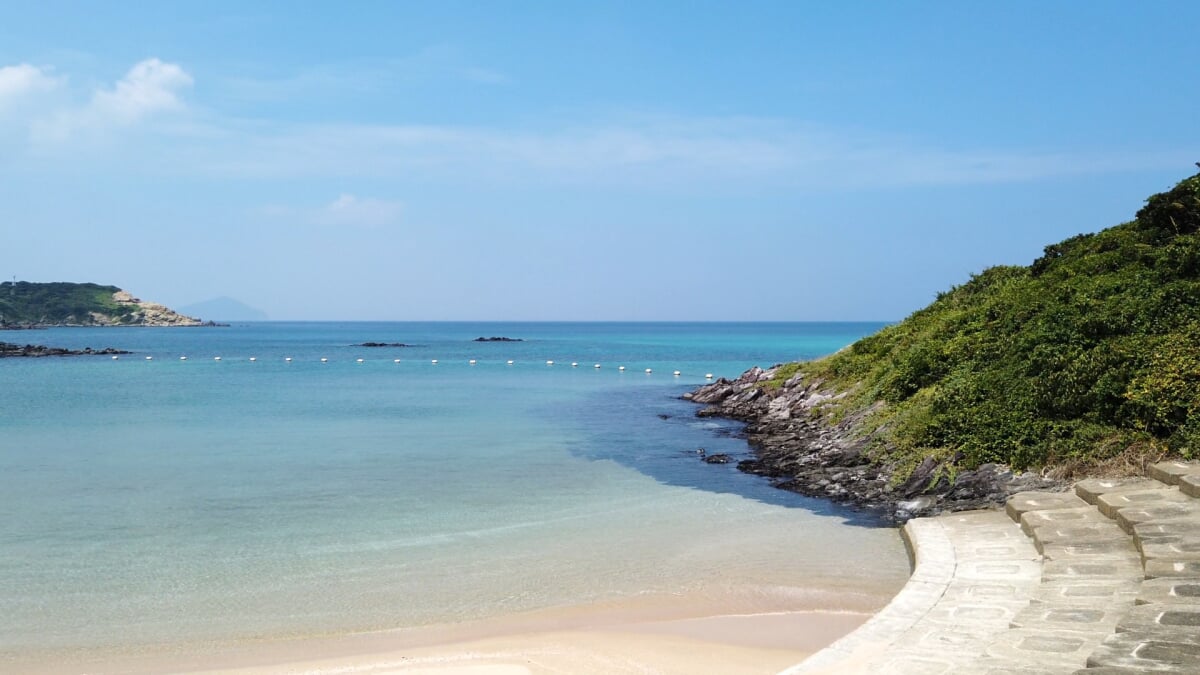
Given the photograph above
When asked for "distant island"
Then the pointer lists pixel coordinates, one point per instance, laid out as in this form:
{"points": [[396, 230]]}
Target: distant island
{"points": [[224, 309], [497, 339], [26, 304]]}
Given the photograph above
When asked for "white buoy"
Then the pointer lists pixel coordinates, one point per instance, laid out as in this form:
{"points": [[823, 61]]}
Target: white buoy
{"points": [[596, 366], [253, 358], [183, 358], [708, 376], [549, 363], [149, 358], [288, 359], [648, 371], [395, 360], [677, 373], [324, 360], [472, 362], [434, 361], [359, 360], [216, 358], [510, 362], [574, 364], [116, 358], [620, 367]]}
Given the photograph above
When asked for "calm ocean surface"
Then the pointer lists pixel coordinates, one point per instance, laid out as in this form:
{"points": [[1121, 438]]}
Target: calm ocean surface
{"points": [[167, 501]]}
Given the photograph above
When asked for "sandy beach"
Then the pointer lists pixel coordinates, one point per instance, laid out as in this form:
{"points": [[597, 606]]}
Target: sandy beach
{"points": [[646, 635]]}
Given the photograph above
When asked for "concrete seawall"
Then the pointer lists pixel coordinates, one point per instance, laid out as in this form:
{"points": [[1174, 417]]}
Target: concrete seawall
{"points": [[1098, 581]]}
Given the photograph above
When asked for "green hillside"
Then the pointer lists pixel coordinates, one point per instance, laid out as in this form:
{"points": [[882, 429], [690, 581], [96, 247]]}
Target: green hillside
{"points": [[1088, 357], [25, 303]]}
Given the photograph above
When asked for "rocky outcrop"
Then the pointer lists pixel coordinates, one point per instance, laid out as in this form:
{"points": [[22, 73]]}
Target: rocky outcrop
{"points": [[800, 447], [382, 344], [8, 350], [145, 314], [497, 339]]}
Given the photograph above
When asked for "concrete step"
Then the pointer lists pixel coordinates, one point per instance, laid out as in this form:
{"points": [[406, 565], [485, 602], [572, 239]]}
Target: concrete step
{"points": [[1130, 516], [1110, 503], [1162, 619], [1170, 471], [1140, 652], [1090, 490], [1190, 485], [1024, 502], [1168, 590]]}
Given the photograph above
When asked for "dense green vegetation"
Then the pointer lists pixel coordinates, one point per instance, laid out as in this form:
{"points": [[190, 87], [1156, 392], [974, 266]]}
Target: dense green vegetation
{"points": [[1091, 354], [25, 303]]}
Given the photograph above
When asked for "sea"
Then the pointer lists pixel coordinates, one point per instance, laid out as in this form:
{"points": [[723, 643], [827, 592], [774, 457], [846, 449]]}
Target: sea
{"points": [[274, 480]]}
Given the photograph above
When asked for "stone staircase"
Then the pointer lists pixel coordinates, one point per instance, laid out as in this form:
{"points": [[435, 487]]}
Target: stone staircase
{"points": [[1101, 581]]}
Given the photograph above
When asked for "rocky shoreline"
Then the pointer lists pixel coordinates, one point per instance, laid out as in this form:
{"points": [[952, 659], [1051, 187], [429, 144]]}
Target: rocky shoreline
{"points": [[10, 350], [800, 449]]}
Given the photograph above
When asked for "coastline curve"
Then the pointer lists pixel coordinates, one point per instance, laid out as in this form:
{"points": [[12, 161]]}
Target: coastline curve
{"points": [[957, 596]]}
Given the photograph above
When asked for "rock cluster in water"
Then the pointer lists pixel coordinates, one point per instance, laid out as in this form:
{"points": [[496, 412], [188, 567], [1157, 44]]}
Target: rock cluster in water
{"points": [[8, 349], [497, 339], [382, 344], [800, 449]]}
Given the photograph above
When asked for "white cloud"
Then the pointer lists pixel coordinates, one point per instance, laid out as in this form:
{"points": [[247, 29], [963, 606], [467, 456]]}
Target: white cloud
{"points": [[720, 153], [150, 87], [346, 211], [24, 79]]}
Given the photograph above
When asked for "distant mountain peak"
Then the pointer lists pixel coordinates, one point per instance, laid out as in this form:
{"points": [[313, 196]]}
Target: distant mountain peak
{"points": [[224, 308]]}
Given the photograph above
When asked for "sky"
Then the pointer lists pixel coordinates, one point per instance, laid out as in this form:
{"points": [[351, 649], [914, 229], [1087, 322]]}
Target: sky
{"points": [[562, 160]]}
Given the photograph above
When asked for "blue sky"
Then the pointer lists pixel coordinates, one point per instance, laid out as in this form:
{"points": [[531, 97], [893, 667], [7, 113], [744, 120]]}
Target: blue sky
{"points": [[578, 161]]}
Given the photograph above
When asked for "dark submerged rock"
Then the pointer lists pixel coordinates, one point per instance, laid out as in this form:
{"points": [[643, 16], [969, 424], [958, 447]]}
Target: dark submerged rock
{"points": [[497, 339], [8, 350], [382, 344]]}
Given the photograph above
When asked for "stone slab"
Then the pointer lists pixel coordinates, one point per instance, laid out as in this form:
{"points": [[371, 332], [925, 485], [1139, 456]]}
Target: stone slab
{"points": [[1078, 516], [1092, 592], [1090, 490], [1111, 502], [1169, 471], [1130, 516], [1162, 619], [1024, 502], [1118, 569], [1173, 590], [1139, 652], [1176, 548], [1156, 569], [1190, 485], [1121, 548], [1101, 531], [1049, 616], [1058, 649]]}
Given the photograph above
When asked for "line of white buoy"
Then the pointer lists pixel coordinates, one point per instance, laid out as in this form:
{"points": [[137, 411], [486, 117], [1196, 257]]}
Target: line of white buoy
{"points": [[574, 364]]}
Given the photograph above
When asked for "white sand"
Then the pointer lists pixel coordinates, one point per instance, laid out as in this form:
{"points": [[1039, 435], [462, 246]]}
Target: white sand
{"points": [[647, 635]]}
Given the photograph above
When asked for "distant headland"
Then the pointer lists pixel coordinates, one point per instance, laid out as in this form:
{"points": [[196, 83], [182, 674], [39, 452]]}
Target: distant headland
{"points": [[25, 304]]}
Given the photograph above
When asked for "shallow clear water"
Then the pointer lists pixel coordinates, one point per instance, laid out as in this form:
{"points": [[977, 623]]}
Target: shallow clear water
{"points": [[163, 501]]}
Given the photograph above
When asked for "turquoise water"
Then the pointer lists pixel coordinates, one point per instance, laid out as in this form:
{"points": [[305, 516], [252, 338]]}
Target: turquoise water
{"points": [[151, 502]]}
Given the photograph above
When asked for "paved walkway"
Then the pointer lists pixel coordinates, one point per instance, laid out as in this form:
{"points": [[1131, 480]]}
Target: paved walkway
{"points": [[1101, 581]]}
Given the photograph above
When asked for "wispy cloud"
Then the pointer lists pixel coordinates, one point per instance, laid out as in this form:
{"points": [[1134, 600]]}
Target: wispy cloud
{"points": [[346, 211], [649, 153], [24, 79], [637, 151]]}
